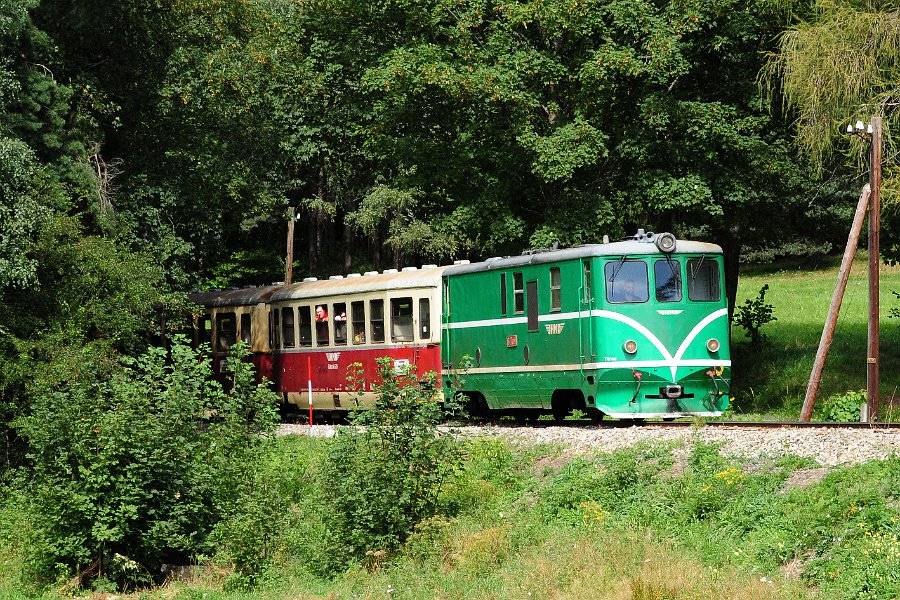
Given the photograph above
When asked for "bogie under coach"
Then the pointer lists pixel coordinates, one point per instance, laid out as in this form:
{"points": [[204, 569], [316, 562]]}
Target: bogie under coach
{"points": [[633, 329]]}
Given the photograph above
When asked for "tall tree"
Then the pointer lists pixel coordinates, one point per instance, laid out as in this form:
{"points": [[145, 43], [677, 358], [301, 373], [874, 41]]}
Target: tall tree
{"points": [[841, 63]]}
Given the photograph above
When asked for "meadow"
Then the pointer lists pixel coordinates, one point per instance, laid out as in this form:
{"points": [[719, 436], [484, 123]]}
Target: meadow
{"points": [[771, 379]]}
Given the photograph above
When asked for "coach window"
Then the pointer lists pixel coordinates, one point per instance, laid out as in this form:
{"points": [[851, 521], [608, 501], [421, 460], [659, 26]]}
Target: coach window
{"points": [[226, 331], [668, 280], [358, 321], [275, 329], [626, 281], [555, 292], [376, 310], [424, 319], [401, 320], [340, 323], [287, 326], [503, 293], [205, 326], [703, 280], [305, 314], [518, 293], [246, 337]]}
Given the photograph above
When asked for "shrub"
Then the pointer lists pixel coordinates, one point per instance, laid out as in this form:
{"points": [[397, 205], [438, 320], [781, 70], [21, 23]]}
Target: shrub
{"points": [[384, 476], [753, 315], [127, 475], [843, 408]]}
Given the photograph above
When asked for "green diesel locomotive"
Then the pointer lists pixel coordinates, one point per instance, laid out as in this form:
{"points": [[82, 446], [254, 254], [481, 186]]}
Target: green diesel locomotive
{"points": [[632, 329]]}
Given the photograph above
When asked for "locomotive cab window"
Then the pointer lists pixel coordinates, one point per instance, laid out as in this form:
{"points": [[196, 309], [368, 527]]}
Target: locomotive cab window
{"points": [[340, 323], [401, 319], [626, 281], [358, 321], [376, 311], [518, 293], [668, 280], [555, 291], [703, 280], [424, 318], [305, 315], [226, 331], [287, 326]]}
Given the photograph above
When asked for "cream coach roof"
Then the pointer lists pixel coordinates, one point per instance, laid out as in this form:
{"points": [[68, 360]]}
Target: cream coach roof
{"points": [[427, 277]]}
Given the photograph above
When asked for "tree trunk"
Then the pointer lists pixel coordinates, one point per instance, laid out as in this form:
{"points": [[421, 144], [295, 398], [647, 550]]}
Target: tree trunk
{"points": [[730, 240]]}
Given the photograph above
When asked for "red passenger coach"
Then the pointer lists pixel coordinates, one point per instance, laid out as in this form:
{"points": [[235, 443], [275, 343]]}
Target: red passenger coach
{"points": [[320, 328], [234, 314]]}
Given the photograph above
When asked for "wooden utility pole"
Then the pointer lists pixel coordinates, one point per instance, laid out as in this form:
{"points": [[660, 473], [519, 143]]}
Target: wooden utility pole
{"points": [[289, 260], [872, 355], [871, 194], [834, 309]]}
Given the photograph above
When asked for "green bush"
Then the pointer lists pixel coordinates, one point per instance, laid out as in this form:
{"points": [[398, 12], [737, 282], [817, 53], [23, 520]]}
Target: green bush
{"points": [[843, 408], [385, 475], [753, 315], [134, 466]]}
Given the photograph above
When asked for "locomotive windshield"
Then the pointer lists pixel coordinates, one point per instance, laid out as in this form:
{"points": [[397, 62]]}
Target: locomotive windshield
{"points": [[668, 280], [626, 281], [703, 280]]}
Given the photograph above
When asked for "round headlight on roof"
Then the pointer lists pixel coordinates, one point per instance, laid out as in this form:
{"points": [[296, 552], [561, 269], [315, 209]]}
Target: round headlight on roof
{"points": [[630, 346], [712, 344], [665, 242]]}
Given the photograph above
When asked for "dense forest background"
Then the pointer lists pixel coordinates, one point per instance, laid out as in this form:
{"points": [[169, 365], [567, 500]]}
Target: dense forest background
{"points": [[151, 148]]}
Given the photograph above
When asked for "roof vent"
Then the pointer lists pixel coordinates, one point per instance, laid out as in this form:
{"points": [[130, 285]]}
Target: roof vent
{"points": [[333, 277], [408, 269], [367, 273], [425, 267], [390, 271], [311, 279], [353, 275], [605, 239], [460, 262]]}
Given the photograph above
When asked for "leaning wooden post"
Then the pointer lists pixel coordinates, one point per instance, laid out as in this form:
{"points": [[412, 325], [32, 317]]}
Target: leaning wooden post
{"points": [[815, 377]]}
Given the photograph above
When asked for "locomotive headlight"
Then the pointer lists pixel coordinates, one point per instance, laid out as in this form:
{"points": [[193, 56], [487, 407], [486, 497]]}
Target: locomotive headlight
{"points": [[630, 346], [712, 344], [665, 242]]}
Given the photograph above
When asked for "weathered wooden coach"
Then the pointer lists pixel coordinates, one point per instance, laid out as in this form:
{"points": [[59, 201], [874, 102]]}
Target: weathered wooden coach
{"points": [[632, 329]]}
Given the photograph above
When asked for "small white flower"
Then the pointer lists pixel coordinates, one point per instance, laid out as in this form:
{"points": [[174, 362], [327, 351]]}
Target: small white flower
{"points": [[390, 589], [501, 514]]}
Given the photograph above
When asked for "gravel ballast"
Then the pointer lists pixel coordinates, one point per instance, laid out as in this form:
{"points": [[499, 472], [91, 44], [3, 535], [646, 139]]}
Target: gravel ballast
{"points": [[828, 446]]}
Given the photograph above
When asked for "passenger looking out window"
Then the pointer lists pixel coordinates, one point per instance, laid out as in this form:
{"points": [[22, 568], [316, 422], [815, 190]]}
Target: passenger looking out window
{"points": [[322, 324], [358, 314]]}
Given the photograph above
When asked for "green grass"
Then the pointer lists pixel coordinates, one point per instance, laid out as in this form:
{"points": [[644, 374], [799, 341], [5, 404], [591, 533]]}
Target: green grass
{"points": [[772, 380], [656, 522]]}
